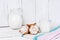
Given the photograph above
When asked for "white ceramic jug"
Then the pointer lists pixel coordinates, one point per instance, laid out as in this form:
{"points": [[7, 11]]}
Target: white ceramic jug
{"points": [[15, 19]]}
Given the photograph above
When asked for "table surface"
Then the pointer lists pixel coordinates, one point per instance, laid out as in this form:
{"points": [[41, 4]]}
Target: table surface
{"points": [[9, 34]]}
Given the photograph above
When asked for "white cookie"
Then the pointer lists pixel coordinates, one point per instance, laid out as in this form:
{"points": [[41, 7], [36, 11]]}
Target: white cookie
{"points": [[24, 30], [34, 29]]}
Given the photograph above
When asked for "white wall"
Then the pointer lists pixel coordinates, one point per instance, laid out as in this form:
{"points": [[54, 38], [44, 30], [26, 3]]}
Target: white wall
{"points": [[29, 10], [54, 11], [41, 10], [3, 13], [14, 4]]}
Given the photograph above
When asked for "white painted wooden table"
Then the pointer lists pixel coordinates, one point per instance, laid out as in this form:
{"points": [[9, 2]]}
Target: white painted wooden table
{"points": [[9, 34]]}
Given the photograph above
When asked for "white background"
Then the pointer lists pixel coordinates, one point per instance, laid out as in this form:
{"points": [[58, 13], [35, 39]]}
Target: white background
{"points": [[28, 8]]}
